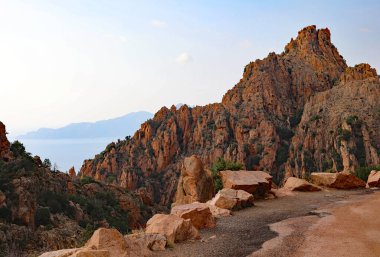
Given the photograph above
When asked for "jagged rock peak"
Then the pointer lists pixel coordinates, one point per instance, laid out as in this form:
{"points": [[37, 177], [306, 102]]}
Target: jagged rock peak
{"points": [[359, 72]]}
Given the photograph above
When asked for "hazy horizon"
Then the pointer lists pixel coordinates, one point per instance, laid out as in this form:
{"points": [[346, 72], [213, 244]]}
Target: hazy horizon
{"points": [[83, 61]]}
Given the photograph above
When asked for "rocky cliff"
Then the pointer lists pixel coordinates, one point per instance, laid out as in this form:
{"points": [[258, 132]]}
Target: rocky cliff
{"points": [[256, 124], [41, 209], [340, 127]]}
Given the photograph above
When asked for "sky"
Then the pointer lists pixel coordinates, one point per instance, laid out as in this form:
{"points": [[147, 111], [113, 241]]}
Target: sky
{"points": [[87, 60]]}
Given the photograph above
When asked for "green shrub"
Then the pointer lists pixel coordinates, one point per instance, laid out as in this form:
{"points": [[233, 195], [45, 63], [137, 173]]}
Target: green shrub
{"points": [[315, 117], [42, 216], [220, 165], [282, 154], [86, 180], [352, 120], [363, 172], [295, 120]]}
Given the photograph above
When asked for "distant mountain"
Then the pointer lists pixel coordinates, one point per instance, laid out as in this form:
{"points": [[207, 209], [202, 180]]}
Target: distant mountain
{"points": [[115, 128]]}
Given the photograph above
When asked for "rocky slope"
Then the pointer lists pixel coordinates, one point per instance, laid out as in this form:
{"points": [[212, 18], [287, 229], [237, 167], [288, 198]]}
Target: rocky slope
{"points": [[257, 122], [340, 127], [44, 210]]}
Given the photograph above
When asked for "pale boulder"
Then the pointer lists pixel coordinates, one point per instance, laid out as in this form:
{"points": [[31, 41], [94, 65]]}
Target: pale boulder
{"points": [[145, 241], [341, 180], [232, 199], [195, 183], [374, 179], [258, 183], [199, 214], [108, 239], [297, 184], [174, 228], [218, 212]]}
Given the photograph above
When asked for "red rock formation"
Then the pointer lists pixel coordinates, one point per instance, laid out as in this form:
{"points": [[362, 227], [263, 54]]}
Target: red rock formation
{"points": [[254, 123], [5, 154]]}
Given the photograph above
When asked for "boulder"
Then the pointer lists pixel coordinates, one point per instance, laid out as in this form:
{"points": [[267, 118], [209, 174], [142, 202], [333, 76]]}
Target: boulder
{"points": [[199, 214], [108, 239], [374, 179], [232, 199], [195, 183], [218, 212], [146, 241], [174, 228], [257, 183], [339, 180], [297, 184], [60, 253]]}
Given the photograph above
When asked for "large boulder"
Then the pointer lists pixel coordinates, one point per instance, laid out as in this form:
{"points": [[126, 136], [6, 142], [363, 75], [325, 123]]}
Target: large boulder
{"points": [[174, 228], [195, 183], [374, 179], [108, 239], [257, 183], [141, 242], [232, 199], [297, 184], [199, 214], [341, 180]]}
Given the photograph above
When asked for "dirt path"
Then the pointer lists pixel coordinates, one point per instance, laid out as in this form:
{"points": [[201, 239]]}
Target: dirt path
{"points": [[348, 229], [246, 231]]}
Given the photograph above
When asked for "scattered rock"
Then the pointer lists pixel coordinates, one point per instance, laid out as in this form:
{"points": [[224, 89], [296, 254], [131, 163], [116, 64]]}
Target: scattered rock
{"points": [[199, 214], [297, 184], [174, 228], [257, 183], [339, 180], [195, 183], [373, 179], [232, 199]]}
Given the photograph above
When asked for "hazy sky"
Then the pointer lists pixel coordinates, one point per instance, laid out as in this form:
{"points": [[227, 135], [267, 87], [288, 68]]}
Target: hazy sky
{"points": [[70, 60]]}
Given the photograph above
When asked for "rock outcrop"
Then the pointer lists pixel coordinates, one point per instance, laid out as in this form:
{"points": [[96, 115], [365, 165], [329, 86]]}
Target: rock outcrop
{"points": [[43, 209], [195, 183], [258, 183], [174, 228], [373, 179], [254, 123], [199, 214], [5, 153], [297, 184], [340, 127], [232, 199], [338, 180]]}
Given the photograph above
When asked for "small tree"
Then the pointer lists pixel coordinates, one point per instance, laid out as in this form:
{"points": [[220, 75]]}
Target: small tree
{"points": [[47, 163]]}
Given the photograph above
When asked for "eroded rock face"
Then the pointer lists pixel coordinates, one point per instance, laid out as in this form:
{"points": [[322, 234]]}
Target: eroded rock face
{"points": [[174, 228], [199, 214], [232, 199], [340, 127], [297, 184], [195, 184], [258, 183], [253, 124], [373, 179], [5, 153], [338, 180]]}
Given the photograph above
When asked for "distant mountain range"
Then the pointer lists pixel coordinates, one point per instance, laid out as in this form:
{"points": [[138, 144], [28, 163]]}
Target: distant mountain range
{"points": [[115, 128]]}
